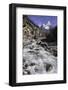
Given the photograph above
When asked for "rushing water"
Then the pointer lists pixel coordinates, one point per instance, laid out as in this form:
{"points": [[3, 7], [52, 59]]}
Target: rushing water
{"points": [[36, 60]]}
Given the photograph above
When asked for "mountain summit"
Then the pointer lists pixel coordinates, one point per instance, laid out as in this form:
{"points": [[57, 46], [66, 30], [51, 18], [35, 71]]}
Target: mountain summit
{"points": [[47, 26]]}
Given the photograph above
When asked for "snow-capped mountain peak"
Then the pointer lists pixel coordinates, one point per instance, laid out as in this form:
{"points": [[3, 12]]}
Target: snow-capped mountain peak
{"points": [[49, 23], [47, 26]]}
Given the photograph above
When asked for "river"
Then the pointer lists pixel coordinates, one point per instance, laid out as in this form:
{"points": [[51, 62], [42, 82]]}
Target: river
{"points": [[36, 60]]}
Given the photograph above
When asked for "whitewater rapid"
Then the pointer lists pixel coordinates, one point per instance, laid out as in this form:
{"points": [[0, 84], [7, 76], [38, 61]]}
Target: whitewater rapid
{"points": [[36, 60]]}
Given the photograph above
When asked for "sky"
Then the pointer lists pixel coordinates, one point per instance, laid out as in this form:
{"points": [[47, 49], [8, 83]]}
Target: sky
{"points": [[39, 20]]}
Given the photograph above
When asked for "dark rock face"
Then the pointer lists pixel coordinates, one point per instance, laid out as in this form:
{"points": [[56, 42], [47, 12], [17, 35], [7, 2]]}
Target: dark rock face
{"points": [[52, 36], [48, 67], [50, 43]]}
